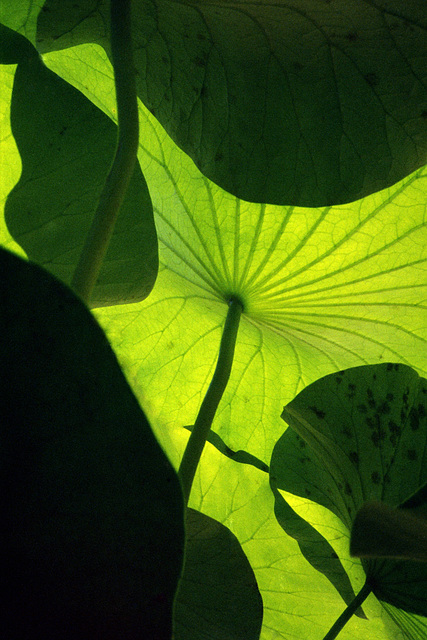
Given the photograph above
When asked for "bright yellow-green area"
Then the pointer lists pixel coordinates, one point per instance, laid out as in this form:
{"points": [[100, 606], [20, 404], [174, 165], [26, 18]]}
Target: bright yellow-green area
{"points": [[10, 162], [324, 289]]}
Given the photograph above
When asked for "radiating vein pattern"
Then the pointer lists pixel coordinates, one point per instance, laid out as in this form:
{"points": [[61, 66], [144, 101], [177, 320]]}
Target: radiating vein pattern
{"points": [[340, 275], [323, 289], [335, 275]]}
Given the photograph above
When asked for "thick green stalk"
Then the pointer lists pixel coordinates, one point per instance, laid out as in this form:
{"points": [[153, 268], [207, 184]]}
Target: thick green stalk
{"points": [[117, 181], [347, 613], [210, 403]]}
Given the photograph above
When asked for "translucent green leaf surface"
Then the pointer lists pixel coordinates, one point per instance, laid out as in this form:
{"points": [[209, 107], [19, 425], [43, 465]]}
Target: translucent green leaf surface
{"points": [[324, 289], [360, 435], [218, 598], [66, 145], [21, 16], [289, 102], [92, 511]]}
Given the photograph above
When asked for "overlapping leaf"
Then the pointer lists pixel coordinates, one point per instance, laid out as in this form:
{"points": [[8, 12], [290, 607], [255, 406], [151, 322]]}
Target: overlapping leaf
{"points": [[91, 511], [307, 103], [21, 16], [66, 145], [355, 436], [218, 598], [324, 289]]}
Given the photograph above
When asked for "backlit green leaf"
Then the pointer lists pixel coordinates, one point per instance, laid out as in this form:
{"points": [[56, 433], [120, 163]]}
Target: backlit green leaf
{"points": [[289, 102], [66, 146], [21, 16], [324, 289], [360, 435]]}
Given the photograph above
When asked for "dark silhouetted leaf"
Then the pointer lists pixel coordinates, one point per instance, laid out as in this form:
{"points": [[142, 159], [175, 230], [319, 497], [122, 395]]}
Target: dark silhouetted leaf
{"points": [[218, 597], [91, 513]]}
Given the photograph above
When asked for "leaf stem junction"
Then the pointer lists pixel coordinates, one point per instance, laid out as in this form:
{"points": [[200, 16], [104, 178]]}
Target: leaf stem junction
{"points": [[122, 167], [200, 432]]}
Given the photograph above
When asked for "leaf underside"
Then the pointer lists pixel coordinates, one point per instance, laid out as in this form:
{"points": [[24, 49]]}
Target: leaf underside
{"points": [[66, 145], [294, 103], [355, 436]]}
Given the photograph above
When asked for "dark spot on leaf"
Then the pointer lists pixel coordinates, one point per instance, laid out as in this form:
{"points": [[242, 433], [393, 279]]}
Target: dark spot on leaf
{"points": [[307, 492], [370, 394], [372, 79], [384, 408], [219, 156], [412, 454], [414, 419], [352, 36], [424, 114], [392, 366], [375, 477], [405, 397], [199, 62], [352, 390], [394, 427], [354, 457], [362, 408], [200, 36], [347, 489], [318, 412], [334, 555], [339, 377], [375, 437], [389, 397], [302, 444], [204, 92]]}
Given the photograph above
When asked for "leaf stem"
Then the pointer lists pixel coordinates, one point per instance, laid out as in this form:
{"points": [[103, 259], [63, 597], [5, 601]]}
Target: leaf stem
{"points": [[200, 432], [122, 167], [348, 612]]}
